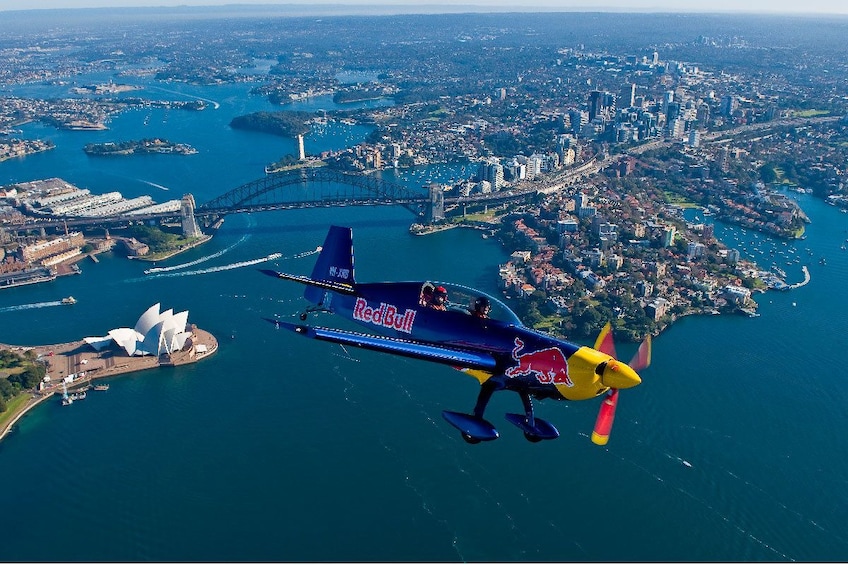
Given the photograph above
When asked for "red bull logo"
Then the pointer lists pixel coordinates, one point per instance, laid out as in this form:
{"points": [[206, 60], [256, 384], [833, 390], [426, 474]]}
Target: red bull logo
{"points": [[547, 365], [386, 315]]}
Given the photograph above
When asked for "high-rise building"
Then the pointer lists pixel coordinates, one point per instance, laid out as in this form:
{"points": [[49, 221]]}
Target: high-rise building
{"points": [[668, 236], [724, 159], [702, 113], [580, 201], [729, 104], [492, 172], [672, 111], [596, 98], [578, 120], [694, 138]]}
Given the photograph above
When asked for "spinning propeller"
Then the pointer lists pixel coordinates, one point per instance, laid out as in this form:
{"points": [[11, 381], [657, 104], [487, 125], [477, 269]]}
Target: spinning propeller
{"points": [[616, 375]]}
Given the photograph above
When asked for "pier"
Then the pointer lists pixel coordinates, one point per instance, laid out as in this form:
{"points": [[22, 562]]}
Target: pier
{"points": [[803, 282]]}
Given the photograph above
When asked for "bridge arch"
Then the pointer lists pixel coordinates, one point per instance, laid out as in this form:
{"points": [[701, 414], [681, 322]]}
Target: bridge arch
{"points": [[308, 186]]}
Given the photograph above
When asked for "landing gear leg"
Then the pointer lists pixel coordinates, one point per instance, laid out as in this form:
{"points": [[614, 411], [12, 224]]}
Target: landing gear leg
{"points": [[486, 391], [528, 409]]}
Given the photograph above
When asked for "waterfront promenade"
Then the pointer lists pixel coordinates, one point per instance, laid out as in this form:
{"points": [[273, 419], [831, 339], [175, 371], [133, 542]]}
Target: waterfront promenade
{"points": [[86, 364]]}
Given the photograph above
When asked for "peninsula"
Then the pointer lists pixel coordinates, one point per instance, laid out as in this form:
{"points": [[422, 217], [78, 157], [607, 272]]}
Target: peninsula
{"points": [[74, 365]]}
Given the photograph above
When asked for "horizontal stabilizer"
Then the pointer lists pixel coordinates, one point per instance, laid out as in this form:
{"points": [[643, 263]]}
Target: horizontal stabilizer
{"points": [[453, 356], [328, 285]]}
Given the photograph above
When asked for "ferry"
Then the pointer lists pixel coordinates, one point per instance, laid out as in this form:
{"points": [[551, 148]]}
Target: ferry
{"points": [[101, 387], [69, 300]]}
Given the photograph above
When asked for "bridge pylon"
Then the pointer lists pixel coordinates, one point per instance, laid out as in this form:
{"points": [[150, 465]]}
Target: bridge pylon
{"points": [[189, 223], [435, 204]]}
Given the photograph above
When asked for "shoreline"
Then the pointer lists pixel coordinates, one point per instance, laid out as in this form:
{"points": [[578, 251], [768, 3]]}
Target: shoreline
{"points": [[80, 359], [168, 254]]}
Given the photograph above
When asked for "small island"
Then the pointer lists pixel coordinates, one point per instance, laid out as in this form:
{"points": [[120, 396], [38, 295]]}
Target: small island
{"points": [[286, 124], [139, 147], [107, 88]]}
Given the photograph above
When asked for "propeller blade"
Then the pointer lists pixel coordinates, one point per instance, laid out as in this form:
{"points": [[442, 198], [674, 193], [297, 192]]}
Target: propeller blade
{"points": [[642, 357], [604, 343], [603, 425]]}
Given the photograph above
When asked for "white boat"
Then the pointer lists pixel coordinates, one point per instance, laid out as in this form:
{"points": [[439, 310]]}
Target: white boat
{"points": [[66, 400], [69, 300]]}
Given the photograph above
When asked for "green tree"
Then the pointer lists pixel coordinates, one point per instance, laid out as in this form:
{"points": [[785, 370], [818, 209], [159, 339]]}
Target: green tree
{"points": [[6, 389], [767, 173]]}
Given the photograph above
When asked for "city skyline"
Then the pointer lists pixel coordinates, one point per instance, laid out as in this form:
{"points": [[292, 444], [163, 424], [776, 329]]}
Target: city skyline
{"points": [[754, 6]]}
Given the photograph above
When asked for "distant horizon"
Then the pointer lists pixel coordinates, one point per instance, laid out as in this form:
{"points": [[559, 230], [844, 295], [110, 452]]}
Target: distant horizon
{"points": [[762, 7]]}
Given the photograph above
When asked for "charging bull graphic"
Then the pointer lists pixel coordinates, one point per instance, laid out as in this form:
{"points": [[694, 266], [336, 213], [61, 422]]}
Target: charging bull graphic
{"points": [[547, 365]]}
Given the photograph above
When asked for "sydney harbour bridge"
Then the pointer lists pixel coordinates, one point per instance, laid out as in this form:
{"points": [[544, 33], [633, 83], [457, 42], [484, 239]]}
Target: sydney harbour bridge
{"points": [[298, 188]]}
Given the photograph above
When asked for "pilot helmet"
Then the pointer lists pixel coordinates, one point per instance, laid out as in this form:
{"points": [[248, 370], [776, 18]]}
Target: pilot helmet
{"points": [[440, 291], [481, 304]]}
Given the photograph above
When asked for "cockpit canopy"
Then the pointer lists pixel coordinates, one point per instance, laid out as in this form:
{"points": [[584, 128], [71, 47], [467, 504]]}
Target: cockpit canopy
{"points": [[462, 299]]}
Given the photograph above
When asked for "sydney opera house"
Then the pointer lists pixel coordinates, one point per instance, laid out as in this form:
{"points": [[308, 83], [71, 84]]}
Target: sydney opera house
{"points": [[155, 333]]}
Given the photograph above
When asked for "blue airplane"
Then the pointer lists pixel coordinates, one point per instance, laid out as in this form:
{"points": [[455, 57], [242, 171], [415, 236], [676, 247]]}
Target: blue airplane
{"points": [[468, 330]]}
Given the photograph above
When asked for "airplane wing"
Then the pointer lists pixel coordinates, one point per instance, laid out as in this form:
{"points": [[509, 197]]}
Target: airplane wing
{"points": [[447, 355], [328, 285]]}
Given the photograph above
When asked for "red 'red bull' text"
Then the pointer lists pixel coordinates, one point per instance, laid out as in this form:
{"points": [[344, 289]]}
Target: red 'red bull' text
{"points": [[386, 315]]}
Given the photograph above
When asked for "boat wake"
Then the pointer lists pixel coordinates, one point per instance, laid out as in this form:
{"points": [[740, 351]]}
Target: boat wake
{"points": [[215, 105], [30, 306], [196, 261], [154, 184], [307, 253], [218, 269]]}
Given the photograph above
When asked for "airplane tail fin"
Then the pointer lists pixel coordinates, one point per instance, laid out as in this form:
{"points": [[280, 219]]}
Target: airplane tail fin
{"points": [[334, 264]]}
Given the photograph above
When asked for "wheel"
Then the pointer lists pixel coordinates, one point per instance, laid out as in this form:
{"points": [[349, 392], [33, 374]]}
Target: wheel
{"points": [[532, 438], [303, 316], [470, 439]]}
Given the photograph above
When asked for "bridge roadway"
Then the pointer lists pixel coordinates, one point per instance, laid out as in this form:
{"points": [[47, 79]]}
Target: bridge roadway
{"points": [[287, 191]]}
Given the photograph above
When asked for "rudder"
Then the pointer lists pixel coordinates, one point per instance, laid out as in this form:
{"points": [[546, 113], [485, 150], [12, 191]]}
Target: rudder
{"points": [[335, 262]]}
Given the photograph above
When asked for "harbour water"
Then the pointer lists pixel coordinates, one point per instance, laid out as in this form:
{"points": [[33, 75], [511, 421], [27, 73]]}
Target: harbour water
{"points": [[280, 448]]}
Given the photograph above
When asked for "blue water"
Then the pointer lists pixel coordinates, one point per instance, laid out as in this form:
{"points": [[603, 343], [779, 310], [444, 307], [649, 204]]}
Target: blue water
{"points": [[279, 448]]}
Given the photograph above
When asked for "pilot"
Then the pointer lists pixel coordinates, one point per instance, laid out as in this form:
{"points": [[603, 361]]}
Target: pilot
{"points": [[426, 297], [482, 307], [440, 299]]}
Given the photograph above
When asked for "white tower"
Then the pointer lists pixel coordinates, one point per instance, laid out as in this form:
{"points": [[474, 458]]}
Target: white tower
{"points": [[301, 154]]}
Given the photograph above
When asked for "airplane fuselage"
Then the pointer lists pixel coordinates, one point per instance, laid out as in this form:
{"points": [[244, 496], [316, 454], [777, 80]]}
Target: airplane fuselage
{"points": [[527, 360]]}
